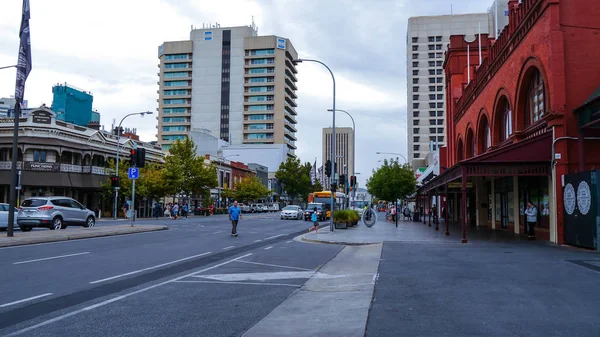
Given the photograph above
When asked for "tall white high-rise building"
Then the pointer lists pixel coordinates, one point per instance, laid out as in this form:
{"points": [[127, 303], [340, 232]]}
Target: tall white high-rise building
{"points": [[427, 40], [229, 83], [344, 149]]}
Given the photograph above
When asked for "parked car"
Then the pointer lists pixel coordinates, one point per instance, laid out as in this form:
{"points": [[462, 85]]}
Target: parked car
{"points": [[310, 209], [54, 213], [245, 208], [4, 216], [291, 212], [261, 208], [274, 207], [256, 208]]}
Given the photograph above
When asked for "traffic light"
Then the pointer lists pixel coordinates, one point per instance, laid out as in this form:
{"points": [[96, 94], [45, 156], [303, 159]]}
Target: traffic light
{"points": [[343, 180], [114, 181], [132, 157], [352, 181], [328, 168]]}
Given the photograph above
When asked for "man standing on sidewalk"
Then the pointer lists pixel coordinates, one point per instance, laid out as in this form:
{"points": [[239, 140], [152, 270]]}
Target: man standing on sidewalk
{"points": [[235, 214]]}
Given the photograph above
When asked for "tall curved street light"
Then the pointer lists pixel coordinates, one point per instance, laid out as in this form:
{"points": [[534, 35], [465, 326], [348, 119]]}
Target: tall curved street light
{"points": [[332, 135], [219, 182], [118, 149], [396, 154]]}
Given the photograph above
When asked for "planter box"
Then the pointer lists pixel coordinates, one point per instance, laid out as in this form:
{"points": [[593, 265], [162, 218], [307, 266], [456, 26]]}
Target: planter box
{"points": [[340, 225]]}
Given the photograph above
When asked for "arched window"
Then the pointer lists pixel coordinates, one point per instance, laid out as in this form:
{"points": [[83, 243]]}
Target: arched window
{"points": [[460, 150], [506, 126], [488, 136], [535, 98], [470, 144], [484, 134]]}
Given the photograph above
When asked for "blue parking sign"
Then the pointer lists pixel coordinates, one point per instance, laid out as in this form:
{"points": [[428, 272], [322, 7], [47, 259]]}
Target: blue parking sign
{"points": [[133, 173]]}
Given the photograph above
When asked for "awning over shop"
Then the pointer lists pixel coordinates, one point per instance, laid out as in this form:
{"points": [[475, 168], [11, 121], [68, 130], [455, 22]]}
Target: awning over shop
{"points": [[530, 157]]}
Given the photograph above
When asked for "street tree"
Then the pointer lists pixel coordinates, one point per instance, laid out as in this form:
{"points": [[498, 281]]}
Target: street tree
{"points": [[295, 178], [151, 183], [249, 189], [186, 172], [317, 186], [392, 181]]}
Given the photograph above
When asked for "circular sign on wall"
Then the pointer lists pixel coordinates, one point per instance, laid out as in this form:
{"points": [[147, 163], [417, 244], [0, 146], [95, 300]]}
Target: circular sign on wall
{"points": [[584, 197], [569, 199]]}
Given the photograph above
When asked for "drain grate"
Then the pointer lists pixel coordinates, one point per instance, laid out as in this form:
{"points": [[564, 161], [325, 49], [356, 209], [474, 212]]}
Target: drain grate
{"points": [[590, 264]]}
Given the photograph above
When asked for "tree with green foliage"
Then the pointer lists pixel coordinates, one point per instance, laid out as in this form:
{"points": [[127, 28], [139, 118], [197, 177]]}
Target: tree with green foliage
{"points": [[249, 189], [317, 186], [295, 178], [151, 183], [392, 181], [186, 172]]}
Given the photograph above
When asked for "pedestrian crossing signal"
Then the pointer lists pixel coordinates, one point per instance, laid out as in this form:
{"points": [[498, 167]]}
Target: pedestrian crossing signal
{"points": [[114, 181]]}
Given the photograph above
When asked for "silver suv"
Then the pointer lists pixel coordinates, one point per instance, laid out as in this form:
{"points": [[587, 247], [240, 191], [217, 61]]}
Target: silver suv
{"points": [[53, 213]]}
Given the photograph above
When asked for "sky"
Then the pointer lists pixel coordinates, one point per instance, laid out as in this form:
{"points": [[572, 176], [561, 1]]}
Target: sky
{"points": [[109, 47]]}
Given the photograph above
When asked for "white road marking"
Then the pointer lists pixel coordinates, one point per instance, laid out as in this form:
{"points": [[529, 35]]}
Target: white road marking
{"points": [[375, 278], [228, 247], [251, 283], [277, 275], [274, 236], [25, 300], [91, 307], [257, 240], [268, 247], [51, 258], [218, 232], [289, 241], [271, 265], [149, 268]]}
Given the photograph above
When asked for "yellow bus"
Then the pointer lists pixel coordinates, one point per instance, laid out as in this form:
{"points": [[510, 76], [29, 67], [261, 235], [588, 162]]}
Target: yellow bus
{"points": [[324, 197]]}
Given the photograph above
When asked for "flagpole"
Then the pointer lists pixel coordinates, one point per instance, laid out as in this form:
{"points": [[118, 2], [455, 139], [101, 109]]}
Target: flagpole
{"points": [[468, 65], [479, 35], [23, 69]]}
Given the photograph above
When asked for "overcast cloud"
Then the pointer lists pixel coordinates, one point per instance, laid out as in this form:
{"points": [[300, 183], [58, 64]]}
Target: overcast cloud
{"points": [[109, 47]]}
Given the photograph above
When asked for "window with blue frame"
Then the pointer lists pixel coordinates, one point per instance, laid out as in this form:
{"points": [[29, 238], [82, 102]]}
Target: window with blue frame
{"points": [[175, 92], [260, 107], [260, 117], [175, 101], [166, 147], [263, 61], [175, 65], [262, 70], [176, 57], [174, 119], [175, 83], [173, 137], [260, 98], [262, 89], [257, 126], [174, 110], [262, 52], [173, 128], [176, 74], [260, 136], [258, 79]]}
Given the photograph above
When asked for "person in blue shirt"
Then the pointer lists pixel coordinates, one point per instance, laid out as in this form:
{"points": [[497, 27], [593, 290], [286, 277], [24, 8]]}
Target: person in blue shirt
{"points": [[235, 215], [314, 221]]}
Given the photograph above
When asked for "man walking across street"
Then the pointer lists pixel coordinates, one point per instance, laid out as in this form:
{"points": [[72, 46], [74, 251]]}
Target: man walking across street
{"points": [[235, 214]]}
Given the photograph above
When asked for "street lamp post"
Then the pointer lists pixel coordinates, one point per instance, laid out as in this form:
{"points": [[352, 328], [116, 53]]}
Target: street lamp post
{"points": [[353, 138], [393, 153], [117, 163], [219, 172], [332, 136]]}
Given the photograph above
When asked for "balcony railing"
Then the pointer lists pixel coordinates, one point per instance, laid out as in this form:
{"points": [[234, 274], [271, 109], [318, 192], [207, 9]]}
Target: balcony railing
{"points": [[54, 167]]}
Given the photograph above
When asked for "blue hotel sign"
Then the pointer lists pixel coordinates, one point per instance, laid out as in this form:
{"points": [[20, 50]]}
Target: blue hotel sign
{"points": [[280, 43], [208, 36]]}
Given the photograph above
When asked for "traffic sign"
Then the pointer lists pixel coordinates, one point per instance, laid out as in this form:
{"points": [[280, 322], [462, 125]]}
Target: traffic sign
{"points": [[133, 173]]}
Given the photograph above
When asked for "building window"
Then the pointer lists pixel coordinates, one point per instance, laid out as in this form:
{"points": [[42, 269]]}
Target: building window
{"points": [[175, 83], [415, 39], [440, 88], [415, 97], [262, 70], [415, 72], [173, 137], [431, 47], [262, 61], [431, 130], [416, 80], [431, 79], [431, 71], [175, 101], [261, 52], [176, 74], [174, 128], [175, 92], [415, 56], [415, 130], [416, 122], [260, 117], [535, 98], [440, 96], [262, 89], [415, 114], [175, 65], [506, 120], [415, 64], [431, 113], [174, 110], [439, 63], [432, 105], [432, 122], [440, 113], [439, 71], [176, 57], [439, 80], [260, 107], [440, 130], [39, 156], [432, 63], [438, 47], [440, 139], [415, 89], [416, 139], [416, 147], [440, 122], [439, 55], [174, 120], [431, 38], [432, 88], [438, 39], [432, 139], [416, 155], [415, 47], [260, 136], [431, 96], [440, 105], [415, 105], [431, 55]]}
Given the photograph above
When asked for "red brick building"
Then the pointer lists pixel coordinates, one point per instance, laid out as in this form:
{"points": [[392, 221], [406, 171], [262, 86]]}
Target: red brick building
{"points": [[512, 122]]}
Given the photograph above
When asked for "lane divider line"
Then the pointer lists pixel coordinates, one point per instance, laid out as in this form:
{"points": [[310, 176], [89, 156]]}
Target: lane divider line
{"points": [[228, 247], [268, 247], [25, 300], [51, 258], [146, 269]]}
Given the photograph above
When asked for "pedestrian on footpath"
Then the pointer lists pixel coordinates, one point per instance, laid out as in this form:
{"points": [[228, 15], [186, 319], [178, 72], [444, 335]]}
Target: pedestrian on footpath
{"points": [[235, 215], [184, 213], [175, 211], [531, 213], [314, 221]]}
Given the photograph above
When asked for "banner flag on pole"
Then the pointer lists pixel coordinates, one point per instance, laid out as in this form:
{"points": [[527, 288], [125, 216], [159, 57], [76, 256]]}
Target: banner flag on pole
{"points": [[313, 174], [24, 64]]}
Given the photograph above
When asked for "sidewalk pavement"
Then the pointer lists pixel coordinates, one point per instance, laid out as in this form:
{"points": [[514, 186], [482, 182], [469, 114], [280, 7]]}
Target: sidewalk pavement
{"points": [[335, 301], [43, 236]]}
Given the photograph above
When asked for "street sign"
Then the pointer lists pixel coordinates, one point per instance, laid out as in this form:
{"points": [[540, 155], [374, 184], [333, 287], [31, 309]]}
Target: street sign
{"points": [[133, 173]]}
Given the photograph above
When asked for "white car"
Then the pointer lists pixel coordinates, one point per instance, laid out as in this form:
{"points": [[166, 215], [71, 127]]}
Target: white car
{"points": [[291, 212], [4, 217]]}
